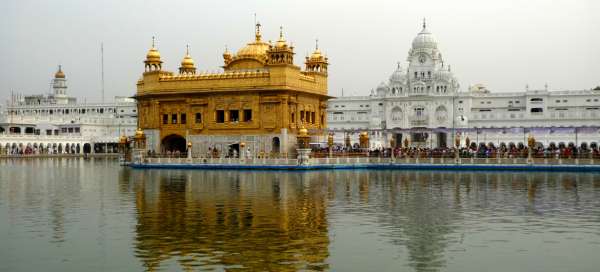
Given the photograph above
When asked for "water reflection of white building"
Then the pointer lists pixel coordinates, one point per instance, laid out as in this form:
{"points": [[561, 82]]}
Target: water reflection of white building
{"points": [[423, 103], [58, 123]]}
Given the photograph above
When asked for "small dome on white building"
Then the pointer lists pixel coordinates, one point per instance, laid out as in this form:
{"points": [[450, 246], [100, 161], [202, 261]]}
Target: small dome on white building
{"points": [[398, 75], [382, 89]]}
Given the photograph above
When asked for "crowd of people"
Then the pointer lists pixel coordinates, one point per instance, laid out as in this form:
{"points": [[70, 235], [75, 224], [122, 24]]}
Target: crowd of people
{"points": [[474, 151]]}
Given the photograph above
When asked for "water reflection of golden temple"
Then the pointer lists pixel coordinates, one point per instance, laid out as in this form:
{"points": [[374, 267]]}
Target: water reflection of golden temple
{"points": [[263, 223], [260, 98]]}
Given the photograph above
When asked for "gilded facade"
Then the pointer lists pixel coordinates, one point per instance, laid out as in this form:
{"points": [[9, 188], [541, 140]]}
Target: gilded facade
{"points": [[260, 98]]}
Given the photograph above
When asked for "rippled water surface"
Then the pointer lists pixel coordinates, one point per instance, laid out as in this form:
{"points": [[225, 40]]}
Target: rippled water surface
{"points": [[93, 215]]}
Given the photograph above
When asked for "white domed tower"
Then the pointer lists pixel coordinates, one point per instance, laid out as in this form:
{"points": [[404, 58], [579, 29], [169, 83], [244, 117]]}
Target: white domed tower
{"points": [[427, 73], [59, 83], [59, 86]]}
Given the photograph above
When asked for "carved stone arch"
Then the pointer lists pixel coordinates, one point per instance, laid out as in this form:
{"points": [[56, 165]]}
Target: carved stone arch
{"points": [[397, 114]]}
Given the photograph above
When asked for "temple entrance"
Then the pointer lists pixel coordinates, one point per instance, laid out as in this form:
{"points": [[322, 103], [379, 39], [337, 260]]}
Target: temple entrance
{"points": [[398, 139], [442, 138], [87, 148], [173, 143], [275, 145], [234, 150]]}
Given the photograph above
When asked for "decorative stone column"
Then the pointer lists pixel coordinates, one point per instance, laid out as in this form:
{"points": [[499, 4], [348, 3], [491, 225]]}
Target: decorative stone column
{"points": [[189, 152]]}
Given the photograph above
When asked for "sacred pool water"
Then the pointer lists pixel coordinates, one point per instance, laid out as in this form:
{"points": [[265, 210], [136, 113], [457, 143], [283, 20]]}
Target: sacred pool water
{"points": [[93, 215]]}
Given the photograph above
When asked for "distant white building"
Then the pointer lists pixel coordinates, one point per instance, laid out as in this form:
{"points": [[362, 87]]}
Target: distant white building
{"points": [[57, 123], [423, 104]]}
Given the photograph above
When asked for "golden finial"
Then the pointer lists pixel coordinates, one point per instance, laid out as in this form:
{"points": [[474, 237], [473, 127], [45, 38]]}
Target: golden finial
{"points": [[257, 34], [317, 44], [424, 23], [152, 41], [280, 32], [187, 49]]}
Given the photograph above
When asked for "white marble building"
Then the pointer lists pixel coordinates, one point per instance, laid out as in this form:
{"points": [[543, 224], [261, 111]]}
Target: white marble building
{"points": [[423, 103], [58, 123]]}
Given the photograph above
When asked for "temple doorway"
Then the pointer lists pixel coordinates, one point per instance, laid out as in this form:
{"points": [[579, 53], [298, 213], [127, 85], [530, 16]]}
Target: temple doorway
{"points": [[173, 143], [442, 138], [275, 145]]}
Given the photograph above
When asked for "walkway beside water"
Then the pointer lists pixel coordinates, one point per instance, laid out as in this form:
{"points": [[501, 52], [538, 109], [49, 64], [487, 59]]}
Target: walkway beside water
{"points": [[64, 155], [543, 164]]}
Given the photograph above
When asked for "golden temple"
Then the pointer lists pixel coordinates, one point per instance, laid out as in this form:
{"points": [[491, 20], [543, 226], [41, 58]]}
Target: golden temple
{"points": [[261, 98]]}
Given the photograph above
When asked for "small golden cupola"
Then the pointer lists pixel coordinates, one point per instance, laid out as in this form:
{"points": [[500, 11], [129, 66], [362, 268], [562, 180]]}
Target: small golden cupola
{"points": [[153, 62], [187, 64], [317, 62], [227, 57], [59, 73], [281, 53]]}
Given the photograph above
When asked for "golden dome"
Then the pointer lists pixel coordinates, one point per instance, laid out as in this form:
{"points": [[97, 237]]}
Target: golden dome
{"points": [[59, 73], [123, 139], [281, 43], [316, 54], [256, 50], [226, 53], [187, 61], [153, 54]]}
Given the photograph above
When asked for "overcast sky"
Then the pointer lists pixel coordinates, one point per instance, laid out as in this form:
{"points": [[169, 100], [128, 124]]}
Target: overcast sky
{"points": [[502, 44]]}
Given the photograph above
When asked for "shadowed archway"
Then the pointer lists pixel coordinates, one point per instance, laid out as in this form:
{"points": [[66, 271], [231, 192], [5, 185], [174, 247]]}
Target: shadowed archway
{"points": [[173, 143]]}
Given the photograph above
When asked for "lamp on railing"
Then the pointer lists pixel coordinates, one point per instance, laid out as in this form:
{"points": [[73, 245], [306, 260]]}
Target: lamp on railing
{"points": [[189, 150], [468, 142], [347, 141], [124, 148], [330, 143], [242, 150], [530, 145], [139, 139], [392, 146], [457, 145], [303, 150]]}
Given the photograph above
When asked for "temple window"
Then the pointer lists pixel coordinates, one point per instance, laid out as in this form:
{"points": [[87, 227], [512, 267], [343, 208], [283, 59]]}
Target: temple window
{"points": [[293, 117], [165, 119], [234, 115], [183, 118], [198, 118], [174, 118], [220, 118], [247, 115], [312, 117], [302, 116]]}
